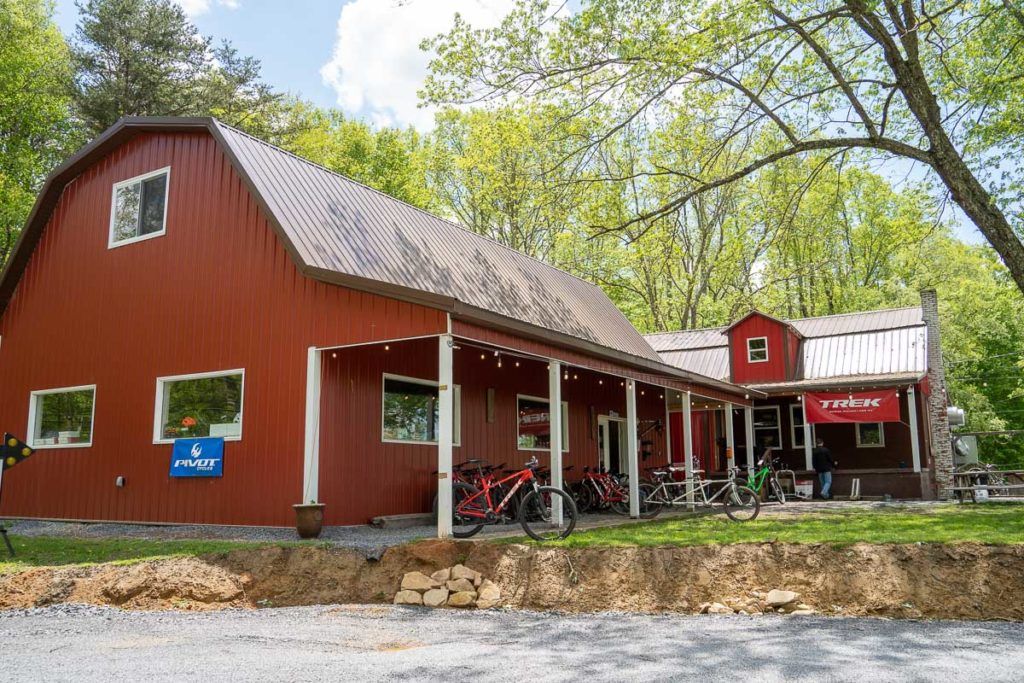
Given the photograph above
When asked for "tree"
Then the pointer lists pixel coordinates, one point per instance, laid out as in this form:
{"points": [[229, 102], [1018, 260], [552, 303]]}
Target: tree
{"points": [[144, 58], [34, 99], [874, 76]]}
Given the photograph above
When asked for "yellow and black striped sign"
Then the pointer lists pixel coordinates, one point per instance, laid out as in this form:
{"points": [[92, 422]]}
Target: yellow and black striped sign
{"points": [[13, 451]]}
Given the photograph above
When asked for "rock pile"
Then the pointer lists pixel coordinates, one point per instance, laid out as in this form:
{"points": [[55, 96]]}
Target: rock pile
{"points": [[758, 602], [457, 586]]}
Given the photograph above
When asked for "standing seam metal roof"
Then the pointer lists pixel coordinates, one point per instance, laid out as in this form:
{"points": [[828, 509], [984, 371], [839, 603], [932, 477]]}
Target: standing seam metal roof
{"points": [[338, 225]]}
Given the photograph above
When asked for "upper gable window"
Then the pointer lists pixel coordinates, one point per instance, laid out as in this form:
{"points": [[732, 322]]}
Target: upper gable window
{"points": [[139, 208], [757, 350]]}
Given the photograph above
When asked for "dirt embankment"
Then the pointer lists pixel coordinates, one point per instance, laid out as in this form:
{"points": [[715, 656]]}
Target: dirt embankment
{"points": [[966, 581]]}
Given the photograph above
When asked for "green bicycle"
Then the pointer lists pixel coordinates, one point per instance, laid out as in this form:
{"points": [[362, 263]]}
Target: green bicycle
{"points": [[766, 477]]}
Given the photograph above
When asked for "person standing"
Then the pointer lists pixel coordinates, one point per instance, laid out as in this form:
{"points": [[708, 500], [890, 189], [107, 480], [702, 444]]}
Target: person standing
{"points": [[821, 458]]}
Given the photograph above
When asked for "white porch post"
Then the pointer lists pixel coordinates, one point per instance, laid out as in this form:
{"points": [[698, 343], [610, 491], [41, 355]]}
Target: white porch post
{"points": [[445, 416], [688, 447], [555, 413], [311, 453], [631, 447], [808, 438], [730, 439], [915, 446], [748, 416], [668, 431]]}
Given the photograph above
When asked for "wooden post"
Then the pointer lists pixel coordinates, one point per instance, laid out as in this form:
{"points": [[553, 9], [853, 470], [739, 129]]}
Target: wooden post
{"points": [[748, 416], [688, 447], [445, 437], [730, 439], [915, 446], [311, 451], [555, 413], [631, 448]]}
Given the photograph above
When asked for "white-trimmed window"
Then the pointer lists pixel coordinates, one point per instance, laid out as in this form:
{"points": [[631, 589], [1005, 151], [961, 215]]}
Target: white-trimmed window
{"points": [[534, 420], [757, 350], [198, 405], [767, 428], [870, 434], [61, 418], [796, 425], [138, 208], [411, 411]]}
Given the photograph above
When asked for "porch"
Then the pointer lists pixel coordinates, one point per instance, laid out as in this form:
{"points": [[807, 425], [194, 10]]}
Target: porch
{"points": [[385, 421]]}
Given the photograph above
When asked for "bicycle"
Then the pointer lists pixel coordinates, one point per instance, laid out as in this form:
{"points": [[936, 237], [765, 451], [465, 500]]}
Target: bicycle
{"points": [[766, 473], [599, 489], [740, 503], [468, 472], [473, 508]]}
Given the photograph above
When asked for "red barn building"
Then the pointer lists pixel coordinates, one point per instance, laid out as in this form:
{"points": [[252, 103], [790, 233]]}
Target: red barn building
{"points": [[891, 356], [179, 278]]}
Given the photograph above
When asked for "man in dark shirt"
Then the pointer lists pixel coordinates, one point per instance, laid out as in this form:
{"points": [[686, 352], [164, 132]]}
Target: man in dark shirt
{"points": [[821, 458]]}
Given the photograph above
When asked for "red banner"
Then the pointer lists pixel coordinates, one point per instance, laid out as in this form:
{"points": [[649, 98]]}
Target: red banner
{"points": [[865, 406]]}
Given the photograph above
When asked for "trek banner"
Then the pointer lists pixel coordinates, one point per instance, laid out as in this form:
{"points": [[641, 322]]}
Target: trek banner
{"points": [[864, 406]]}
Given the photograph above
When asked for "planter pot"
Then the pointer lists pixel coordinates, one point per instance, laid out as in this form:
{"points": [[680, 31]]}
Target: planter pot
{"points": [[309, 519]]}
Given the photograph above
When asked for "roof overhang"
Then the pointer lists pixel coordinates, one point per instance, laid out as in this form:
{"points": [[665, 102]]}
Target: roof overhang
{"points": [[840, 383]]}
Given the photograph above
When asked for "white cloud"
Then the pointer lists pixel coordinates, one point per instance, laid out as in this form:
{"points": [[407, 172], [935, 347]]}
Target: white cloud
{"points": [[194, 8], [377, 65]]}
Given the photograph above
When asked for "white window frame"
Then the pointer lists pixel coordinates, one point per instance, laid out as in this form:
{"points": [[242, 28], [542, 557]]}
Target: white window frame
{"points": [[792, 425], [111, 244], [753, 339], [456, 410], [778, 425], [158, 404], [565, 422], [33, 408], [881, 435]]}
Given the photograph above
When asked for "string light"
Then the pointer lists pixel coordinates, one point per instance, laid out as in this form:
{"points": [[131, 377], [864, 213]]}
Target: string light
{"points": [[334, 355], [387, 347], [517, 364]]}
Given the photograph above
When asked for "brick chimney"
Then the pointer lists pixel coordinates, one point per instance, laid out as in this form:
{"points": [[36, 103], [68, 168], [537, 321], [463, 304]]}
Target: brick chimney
{"points": [[941, 444]]}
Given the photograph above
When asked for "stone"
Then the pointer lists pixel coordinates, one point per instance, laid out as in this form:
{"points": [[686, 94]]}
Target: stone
{"points": [[719, 608], [408, 597], [417, 581], [804, 607], [488, 595], [778, 598], [703, 607], [442, 575], [478, 580], [435, 597], [801, 612], [461, 586], [462, 572], [462, 599]]}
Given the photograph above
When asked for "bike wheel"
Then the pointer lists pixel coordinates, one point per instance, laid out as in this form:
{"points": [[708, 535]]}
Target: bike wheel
{"points": [[464, 526], [741, 504], [584, 498], [777, 491], [536, 515], [650, 505], [621, 506]]}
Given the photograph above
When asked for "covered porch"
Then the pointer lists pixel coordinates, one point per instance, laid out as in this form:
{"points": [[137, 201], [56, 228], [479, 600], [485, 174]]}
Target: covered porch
{"points": [[385, 421]]}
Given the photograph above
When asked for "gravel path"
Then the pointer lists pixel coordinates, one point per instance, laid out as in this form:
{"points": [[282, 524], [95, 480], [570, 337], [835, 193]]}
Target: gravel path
{"points": [[75, 643]]}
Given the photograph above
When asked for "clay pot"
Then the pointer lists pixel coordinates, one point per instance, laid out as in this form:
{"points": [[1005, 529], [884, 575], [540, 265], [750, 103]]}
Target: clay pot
{"points": [[309, 519]]}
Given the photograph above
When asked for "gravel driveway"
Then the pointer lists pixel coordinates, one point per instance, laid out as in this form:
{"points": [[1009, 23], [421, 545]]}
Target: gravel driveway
{"points": [[74, 643]]}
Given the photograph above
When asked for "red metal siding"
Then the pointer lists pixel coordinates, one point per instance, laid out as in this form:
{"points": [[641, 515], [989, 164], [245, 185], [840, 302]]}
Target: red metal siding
{"points": [[218, 291], [360, 476], [774, 370]]}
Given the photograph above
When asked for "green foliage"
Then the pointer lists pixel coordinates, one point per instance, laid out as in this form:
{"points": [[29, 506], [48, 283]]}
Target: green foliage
{"points": [[996, 523], [35, 127], [144, 58]]}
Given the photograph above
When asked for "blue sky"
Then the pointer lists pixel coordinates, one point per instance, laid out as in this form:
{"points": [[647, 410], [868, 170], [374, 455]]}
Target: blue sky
{"points": [[361, 55]]}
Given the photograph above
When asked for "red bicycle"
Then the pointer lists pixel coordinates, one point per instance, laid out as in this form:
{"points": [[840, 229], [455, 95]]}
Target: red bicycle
{"points": [[473, 508]]}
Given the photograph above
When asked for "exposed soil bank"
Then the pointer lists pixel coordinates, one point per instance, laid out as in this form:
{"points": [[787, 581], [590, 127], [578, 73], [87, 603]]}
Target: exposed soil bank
{"points": [[962, 581]]}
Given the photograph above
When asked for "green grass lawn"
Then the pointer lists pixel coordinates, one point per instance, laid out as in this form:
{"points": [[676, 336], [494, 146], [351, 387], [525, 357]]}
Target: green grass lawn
{"points": [[36, 551], [991, 523]]}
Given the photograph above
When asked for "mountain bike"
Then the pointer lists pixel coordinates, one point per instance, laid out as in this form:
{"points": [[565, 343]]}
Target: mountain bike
{"points": [[473, 508], [766, 477], [740, 503], [599, 490]]}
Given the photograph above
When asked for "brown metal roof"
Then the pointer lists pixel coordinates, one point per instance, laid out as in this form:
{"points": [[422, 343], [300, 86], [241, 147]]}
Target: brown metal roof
{"points": [[341, 227]]}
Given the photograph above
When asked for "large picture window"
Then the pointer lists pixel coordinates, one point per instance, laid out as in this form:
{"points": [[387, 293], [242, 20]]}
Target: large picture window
{"points": [[61, 418], [535, 424], [204, 404], [139, 208], [870, 435], [767, 428], [411, 411]]}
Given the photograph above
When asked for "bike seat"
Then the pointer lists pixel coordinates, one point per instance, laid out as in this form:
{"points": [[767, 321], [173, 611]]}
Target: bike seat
{"points": [[474, 461]]}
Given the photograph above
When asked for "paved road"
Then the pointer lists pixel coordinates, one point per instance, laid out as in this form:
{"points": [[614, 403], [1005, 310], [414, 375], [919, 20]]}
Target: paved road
{"points": [[384, 643]]}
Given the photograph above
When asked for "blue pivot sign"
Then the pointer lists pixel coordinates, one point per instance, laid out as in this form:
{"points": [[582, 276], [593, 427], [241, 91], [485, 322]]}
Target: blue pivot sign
{"points": [[198, 457]]}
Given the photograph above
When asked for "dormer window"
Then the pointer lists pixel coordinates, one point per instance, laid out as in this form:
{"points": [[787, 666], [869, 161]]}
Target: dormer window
{"points": [[757, 350], [139, 208]]}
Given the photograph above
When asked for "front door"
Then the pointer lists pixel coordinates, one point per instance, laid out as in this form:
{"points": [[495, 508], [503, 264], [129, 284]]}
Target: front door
{"points": [[612, 442]]}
